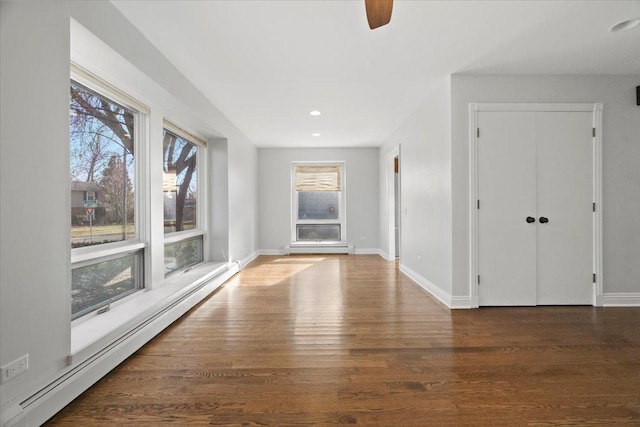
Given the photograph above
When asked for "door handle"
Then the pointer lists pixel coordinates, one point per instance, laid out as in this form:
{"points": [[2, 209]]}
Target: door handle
{"points": [[544, 220], [530, 219]]}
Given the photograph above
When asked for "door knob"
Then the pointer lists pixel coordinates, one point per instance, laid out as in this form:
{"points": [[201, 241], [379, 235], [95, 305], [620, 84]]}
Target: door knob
{"points": [[544, 220], [530, 219]]}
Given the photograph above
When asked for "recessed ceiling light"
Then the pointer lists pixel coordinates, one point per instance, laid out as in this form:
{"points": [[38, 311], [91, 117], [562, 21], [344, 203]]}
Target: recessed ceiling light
{"points": [[625, 25], [315, 134], [315, 113]]}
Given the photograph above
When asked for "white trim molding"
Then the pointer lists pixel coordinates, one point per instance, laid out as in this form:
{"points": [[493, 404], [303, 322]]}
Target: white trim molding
{"points": [[621, 299], [453, 302], [597, 110], [368, 251], [271, 252], [391, 202], [248, 259]]}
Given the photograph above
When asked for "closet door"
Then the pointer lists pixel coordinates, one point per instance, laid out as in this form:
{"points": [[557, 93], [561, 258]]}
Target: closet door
{"points": [[506, 172], [564, 159]]}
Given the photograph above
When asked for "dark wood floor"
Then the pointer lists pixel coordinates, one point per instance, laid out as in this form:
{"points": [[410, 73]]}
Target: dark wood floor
{"points": [[349, 340]]}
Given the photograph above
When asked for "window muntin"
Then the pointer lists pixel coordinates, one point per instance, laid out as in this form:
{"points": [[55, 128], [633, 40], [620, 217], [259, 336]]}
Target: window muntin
{"points": [[180, 183], [102, 159], [318, 202]]}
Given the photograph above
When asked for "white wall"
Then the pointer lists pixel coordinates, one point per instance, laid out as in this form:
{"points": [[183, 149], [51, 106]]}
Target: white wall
{"points": [[35, 274], [621, 167], [243, 200], [425, 170], [361, 172]]}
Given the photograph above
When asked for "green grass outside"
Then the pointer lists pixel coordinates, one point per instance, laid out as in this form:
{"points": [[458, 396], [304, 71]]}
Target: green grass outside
{"points": [[99, 230]]}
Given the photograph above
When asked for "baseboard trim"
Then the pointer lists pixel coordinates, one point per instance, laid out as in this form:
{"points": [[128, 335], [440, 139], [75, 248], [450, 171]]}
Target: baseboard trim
{"points": [[271, 252], [461, 303], [368, 251], [457, 302], [621, 299], [248, 259], [343, 249], [54, 396]]}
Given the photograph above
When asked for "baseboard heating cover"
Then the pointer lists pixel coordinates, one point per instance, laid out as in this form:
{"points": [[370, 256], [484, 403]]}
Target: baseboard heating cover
{"points": [[54, 396], [309, 249]]}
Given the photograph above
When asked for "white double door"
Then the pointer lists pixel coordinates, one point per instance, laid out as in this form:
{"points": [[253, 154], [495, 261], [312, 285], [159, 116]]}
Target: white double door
{"points": [[535, 216]]}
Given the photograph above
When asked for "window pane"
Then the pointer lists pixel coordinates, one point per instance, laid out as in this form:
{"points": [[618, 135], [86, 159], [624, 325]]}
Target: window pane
{"points": [[183, 254], [96, 284], [102, 169], [179, 185], [318, 205], [318, 232]]}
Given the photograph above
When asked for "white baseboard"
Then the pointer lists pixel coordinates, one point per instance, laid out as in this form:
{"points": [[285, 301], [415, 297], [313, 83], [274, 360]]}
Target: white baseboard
{"points": [[368, 251], [246, 260], [51, 398], [460, 302], [271, 252], [621, 299], [347, 249], [443, 296]]}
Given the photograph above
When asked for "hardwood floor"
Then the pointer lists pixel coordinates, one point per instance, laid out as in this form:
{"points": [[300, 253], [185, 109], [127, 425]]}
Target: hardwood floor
{"points": [[349, 340]]}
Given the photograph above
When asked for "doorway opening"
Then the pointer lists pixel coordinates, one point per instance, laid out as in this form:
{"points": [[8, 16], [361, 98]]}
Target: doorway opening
{"points": [[394, 200]]}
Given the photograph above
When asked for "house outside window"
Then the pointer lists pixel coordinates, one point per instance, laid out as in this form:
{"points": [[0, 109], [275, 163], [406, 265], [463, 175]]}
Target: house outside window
{"points": [[318, 203]]}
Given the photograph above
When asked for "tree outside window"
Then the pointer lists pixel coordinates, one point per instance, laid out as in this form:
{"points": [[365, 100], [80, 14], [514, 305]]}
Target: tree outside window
{"points": [[102, 160]]}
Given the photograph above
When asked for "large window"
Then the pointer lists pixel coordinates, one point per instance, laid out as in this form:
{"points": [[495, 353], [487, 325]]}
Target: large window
{"points": [[102, 169], [106, 246], [318, 202], [180, 187]]}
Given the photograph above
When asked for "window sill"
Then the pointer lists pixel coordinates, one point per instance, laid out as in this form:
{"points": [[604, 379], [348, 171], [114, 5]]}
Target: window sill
{"points": [[98, 331]]}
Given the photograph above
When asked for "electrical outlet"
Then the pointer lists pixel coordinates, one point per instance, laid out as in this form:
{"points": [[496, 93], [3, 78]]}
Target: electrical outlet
{"points": [[419, 259], [15, 368]]}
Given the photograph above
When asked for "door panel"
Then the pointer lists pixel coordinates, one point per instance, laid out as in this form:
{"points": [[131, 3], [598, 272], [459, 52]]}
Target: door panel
{"points": [[565, 196], [507, 193]]}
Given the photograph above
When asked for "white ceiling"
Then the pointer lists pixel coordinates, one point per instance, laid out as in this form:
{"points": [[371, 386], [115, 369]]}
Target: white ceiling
{"points": [[267, 64]]}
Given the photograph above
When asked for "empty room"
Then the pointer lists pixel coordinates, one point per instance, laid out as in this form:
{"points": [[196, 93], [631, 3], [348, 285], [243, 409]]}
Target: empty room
{"points": [[319, 212]]}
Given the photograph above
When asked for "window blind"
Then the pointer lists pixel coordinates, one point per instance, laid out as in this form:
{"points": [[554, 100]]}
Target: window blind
{"points": [[318, 178]]}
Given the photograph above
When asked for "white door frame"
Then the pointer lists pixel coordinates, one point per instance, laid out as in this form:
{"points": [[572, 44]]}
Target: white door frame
{"points": [[391, 203], [474, 109]]}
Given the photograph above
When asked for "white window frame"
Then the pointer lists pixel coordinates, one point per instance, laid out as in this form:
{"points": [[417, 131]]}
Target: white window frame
{"points": [[342, 206], [95, 254], [201, 192], [90, 195]]}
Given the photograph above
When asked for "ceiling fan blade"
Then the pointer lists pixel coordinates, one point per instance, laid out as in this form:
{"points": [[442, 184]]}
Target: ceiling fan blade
{"points": [[378, 12]]}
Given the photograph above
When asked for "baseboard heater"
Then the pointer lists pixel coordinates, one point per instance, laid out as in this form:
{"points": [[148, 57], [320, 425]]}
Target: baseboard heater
{"points": [[318, 249], [152, 326]]}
